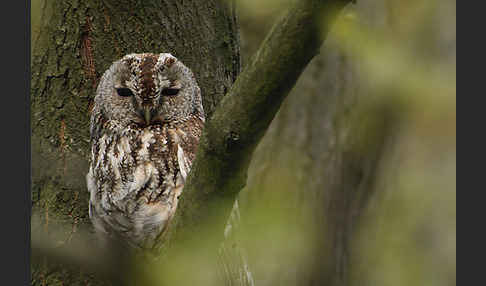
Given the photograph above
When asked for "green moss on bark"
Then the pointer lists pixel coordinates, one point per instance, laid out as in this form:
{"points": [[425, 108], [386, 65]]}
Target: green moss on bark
{"points": [[238, 124]]}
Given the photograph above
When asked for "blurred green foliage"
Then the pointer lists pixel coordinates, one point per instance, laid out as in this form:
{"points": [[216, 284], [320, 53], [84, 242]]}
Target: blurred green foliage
{"points": [[403, 57], [403, 53]]}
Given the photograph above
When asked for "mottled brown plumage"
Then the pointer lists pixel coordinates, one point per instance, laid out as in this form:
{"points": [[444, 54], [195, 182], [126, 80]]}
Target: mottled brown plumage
{"points": [[145, 128]]}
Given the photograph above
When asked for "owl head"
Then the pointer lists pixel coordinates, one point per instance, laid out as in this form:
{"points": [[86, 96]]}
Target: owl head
{"points": [[146, 89]]}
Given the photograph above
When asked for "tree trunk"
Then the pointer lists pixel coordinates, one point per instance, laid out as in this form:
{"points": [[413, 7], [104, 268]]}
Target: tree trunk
{"points": [[76, 42]]}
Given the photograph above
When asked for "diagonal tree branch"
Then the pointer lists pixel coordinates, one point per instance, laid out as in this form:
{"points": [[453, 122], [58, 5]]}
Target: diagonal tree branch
{"points": [[242, 117]]}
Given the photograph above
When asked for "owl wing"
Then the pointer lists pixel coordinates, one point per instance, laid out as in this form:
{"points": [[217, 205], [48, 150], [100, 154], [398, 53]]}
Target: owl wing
{"points": [[185, 139], [232, 256]]}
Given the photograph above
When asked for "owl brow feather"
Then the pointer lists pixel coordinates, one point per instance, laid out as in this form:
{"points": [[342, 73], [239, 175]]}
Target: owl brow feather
{"points": [[146, 76]]}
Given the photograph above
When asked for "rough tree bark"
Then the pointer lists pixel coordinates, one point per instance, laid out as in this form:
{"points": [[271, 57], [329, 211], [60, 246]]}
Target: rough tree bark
{"points": [[77, 41]]}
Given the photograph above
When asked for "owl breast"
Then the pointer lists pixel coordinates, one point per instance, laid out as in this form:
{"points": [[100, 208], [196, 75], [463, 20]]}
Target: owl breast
{"points": [[136, 177]]}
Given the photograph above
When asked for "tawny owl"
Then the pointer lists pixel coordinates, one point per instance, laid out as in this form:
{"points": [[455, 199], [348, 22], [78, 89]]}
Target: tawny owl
{"points": [[145, 127]]}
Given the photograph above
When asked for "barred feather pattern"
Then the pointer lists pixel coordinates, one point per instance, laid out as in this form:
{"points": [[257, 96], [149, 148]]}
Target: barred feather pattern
{"points": [[136, 177], [138, 169], [143, 142]]}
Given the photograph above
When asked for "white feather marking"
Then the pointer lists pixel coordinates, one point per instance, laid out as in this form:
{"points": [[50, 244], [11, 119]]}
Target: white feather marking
{"points": [[125, 145], [140, 177], [115, 162], [105, 200], [90, 182], [182, 160], [147, 139], [162, 58], [101, 153]]}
